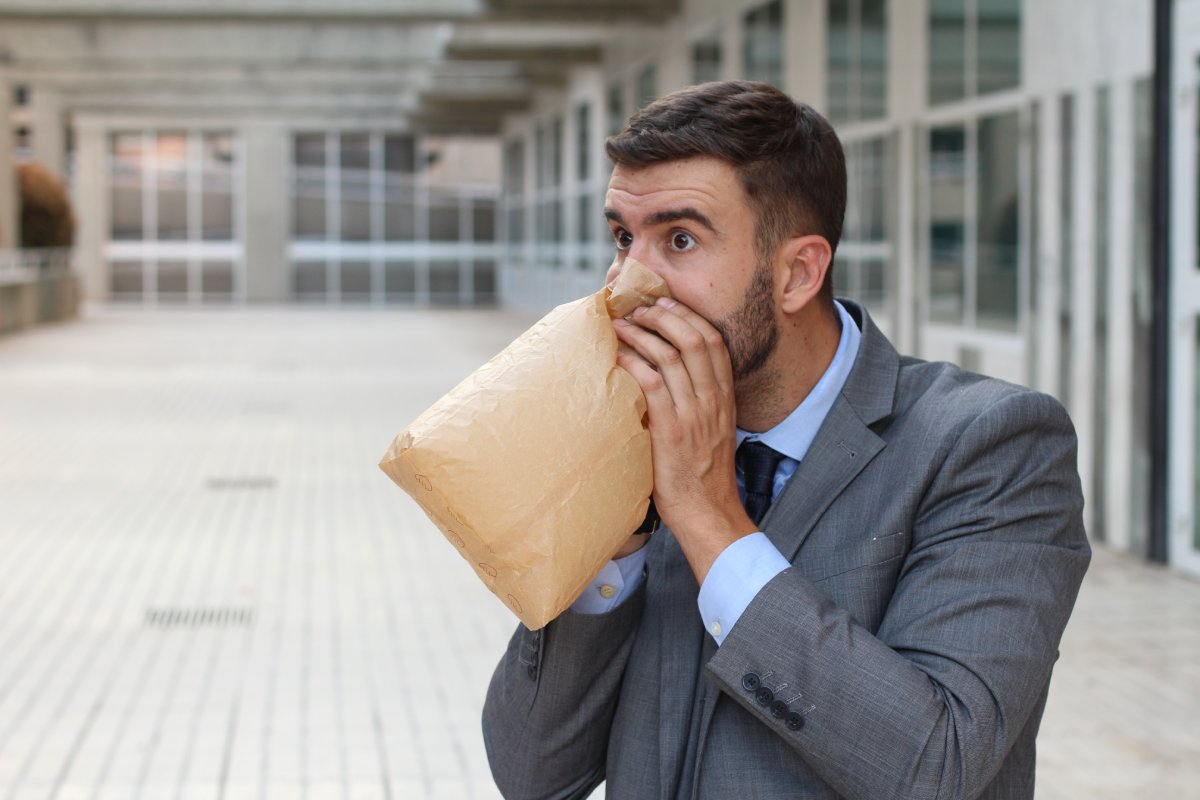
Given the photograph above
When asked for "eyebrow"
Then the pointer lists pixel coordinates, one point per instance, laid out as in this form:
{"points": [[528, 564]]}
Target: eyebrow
{"points": [[663, 217]]}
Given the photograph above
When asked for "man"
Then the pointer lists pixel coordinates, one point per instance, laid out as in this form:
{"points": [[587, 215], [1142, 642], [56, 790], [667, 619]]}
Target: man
{"points": [[887, 629]]}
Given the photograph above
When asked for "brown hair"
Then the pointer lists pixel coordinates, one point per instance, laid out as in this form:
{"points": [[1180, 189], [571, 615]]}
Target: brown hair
{"points": [[788, 158]]}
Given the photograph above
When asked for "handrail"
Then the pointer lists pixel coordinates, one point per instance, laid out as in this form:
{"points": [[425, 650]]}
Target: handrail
{"points": [[28, 263]]}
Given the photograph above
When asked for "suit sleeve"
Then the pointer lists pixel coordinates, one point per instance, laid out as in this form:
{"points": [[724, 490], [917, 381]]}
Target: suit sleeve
{"points": [[929, 705], [551, 702]]}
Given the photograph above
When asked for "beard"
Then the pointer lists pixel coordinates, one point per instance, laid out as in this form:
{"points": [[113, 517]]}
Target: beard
{"points": [[751, 332]]}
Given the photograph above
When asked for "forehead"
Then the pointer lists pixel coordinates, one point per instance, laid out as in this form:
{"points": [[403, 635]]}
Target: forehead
{"points": [[708, 184]]}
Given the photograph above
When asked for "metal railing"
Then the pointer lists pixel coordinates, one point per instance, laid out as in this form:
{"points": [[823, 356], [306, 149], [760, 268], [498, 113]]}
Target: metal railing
{"points": [[29, 263]]}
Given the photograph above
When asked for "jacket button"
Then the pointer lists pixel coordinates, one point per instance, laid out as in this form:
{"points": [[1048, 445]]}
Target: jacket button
{"points": [[794, 721], [751, 682], [779, 709], [764, 696]]}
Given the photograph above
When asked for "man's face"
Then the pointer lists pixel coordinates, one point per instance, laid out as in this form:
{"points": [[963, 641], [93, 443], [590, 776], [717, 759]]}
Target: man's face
{"points": [[691, 223]]}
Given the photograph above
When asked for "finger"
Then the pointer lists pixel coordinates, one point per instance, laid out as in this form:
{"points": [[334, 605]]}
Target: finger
{"points": [[663, 357], [717, 350], [699, 344], [659, 404]]}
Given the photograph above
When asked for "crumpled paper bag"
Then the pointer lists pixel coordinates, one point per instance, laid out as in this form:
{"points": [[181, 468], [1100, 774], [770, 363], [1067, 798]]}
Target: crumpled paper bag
{"points": [[537, 466]]}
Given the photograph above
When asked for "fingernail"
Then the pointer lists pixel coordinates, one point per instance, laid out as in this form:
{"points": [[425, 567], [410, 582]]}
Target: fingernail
{"points": [[621, 322], [666, 302], [639, 311]]}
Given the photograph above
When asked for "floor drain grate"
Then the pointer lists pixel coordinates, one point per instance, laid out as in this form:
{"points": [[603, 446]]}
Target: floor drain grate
{"points": [[246, 482], [199, 617]]}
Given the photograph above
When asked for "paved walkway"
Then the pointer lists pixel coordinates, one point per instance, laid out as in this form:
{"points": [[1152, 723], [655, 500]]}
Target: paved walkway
{"points": [[207, 589]]}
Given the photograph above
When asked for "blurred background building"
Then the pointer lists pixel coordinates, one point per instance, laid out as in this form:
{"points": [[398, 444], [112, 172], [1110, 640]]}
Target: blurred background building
{"points": [[450, 152]]}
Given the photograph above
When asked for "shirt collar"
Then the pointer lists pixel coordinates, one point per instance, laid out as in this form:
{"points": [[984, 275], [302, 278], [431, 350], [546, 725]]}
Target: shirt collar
{"points": [[796, 432]]}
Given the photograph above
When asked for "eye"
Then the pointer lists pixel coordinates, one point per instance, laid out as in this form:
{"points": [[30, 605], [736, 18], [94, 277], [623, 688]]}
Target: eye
{"points": [[623, 238], [681, 242]]}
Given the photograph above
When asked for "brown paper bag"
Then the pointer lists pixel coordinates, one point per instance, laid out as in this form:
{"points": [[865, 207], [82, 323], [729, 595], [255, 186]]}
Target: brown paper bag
{"points": [[537, 466]]}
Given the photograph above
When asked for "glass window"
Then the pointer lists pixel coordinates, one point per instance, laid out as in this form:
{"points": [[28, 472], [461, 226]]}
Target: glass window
{"points": [[583, 142], [860, 272], [998, 44], [947, 50], [216, 281], [839, 62], [986, 33], [998, 221], [856, 59], [616, 108], [443, 218], [355, 163], [1142, 314], [171, 173], [556, 152], [647, 85], [309, 189], [399, 280], [947, 226], [1066, 198], [126, 280], [172, 280], [706, 60], [514, 191], [355, 281], [216, 187], [873, 59], [485, 282], [1100, 368], [444, 281], [762, 43], [1196, 442], [126, 177], [309, 280], [541, 172], [399, 154], [586, 218], [483, 220]]}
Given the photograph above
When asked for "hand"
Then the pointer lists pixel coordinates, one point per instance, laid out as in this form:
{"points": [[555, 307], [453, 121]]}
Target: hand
{"points": [[680, 361]]}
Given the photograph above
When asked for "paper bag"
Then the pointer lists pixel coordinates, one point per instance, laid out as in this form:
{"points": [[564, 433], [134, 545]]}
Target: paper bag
{"points": [[537, 466]]}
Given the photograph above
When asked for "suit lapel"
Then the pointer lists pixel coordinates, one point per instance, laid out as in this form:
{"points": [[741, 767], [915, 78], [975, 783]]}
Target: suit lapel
{"points": [[845, 443]]}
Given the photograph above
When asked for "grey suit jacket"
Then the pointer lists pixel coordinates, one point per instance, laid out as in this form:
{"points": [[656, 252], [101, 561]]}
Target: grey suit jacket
{"points": [[937, 547]]}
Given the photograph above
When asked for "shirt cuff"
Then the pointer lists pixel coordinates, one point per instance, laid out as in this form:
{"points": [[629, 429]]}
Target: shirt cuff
{"points": [[616, 582], [735, 579]]}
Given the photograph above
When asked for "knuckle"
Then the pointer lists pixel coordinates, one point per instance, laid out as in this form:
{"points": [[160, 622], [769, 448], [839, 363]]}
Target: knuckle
{"points": [[692, 341], [672, 357]]}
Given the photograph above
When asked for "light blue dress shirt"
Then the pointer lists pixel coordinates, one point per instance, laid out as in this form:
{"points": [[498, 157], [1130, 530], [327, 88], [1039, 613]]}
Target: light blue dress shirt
{"points": [[746, 566]]}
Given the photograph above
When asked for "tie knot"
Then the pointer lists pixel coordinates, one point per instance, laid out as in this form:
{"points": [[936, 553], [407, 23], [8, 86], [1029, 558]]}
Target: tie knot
{"points": [[758, 462]]}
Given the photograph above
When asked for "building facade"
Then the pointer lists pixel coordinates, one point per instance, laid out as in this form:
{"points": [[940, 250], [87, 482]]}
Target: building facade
{"points": [[999, 156], [427, 152]]}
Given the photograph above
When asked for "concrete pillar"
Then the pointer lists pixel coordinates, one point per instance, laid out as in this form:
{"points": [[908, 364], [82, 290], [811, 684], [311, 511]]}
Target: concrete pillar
{"points": [[804, 52], [10, 234], [89, 198], [265, 211], [49, 142]]}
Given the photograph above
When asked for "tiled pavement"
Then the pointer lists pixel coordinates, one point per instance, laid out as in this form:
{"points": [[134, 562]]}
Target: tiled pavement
{"points": [[207, 589]]}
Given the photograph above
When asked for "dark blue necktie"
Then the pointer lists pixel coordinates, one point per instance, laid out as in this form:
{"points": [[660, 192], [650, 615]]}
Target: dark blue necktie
{"points": [[758, 463]]}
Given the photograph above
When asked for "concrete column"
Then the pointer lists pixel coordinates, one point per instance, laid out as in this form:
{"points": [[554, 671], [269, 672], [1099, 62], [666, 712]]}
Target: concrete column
{"points": [[907, 49], [265, 211], [90, 202], [10, 234], [804, 69], [49, 141]]}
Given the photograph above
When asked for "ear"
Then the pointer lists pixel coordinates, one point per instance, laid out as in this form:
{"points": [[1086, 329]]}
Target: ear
{"points": [[804, 261]]}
